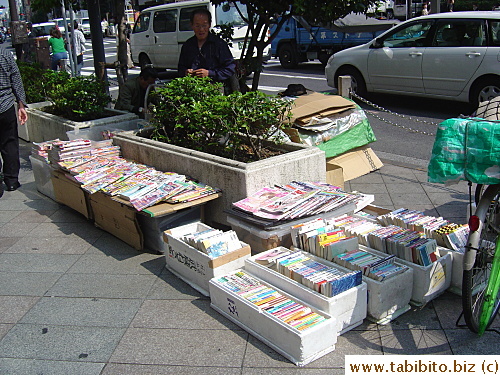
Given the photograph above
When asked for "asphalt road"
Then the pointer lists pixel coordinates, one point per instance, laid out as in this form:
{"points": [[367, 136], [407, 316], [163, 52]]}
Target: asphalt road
{"points": [[392, 131]]}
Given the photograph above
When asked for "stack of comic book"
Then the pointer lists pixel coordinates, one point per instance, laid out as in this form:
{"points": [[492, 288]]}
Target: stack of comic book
{"points": [[213, 242], [270, 301], [371, 265], [295, 200]]}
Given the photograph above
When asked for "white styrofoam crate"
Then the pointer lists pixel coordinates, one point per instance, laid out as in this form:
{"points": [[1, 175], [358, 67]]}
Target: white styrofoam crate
{"points": [[349, 307], [193, 266], [300, 347], [457, 269], [42, 171], [428, 281]]}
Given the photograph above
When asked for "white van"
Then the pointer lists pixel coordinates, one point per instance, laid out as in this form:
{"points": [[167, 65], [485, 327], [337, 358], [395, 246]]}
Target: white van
{"points": [[160, 31]]}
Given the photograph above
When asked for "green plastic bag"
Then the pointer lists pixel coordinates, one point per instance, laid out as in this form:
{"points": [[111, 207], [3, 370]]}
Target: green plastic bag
{"points": [[466, 149]]}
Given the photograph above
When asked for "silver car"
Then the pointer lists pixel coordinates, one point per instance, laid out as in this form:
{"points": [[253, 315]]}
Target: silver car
{"points": [[454, 55]]}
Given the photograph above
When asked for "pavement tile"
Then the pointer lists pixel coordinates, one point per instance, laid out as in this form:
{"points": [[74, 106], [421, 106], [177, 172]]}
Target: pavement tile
{"points": [[465, 342], [452, 210], [41, 204], [448, 308], [110, 245], [96, 312], [441, 188], [214, 348], [417, 318], [70, 244], [402, 199], [27, 283], [370, 178], [4, 328], [169, 286], [11, 229], [6, 243], [381, 199], [86, 231], [439, 199], [427, 209], [102, 286], [292, 371], [353, 342], [32, 216], [6, 216], [372, 188], [7, 204], [405, 187], [16, 366], [63, 343], [187, 314], [36, 262], [13, 308], [131, 369], [67, 215], [414, 341], [136, 264]]}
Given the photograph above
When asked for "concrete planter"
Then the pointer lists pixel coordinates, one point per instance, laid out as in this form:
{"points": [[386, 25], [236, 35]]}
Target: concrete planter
{"points": [[236, 179], [43, 126]]}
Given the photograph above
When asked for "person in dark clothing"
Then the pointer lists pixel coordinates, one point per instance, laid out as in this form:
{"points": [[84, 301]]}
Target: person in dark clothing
{"points": [[132, 93], [11, 92], [205, 54]]}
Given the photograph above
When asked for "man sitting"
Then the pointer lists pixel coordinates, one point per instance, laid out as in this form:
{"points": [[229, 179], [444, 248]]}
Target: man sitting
{"points": [[132, 93]]}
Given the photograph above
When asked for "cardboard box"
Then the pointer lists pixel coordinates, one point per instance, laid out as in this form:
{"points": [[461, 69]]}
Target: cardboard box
{"points": [[193, 266], [42, 171], [335, 175], [68, 192], [349, 307], [355, 163], [318, 105], [117, 218], [300, 347]]}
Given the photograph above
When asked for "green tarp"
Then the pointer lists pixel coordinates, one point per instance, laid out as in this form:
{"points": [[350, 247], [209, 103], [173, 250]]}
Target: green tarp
{"points": [[466, 149]]}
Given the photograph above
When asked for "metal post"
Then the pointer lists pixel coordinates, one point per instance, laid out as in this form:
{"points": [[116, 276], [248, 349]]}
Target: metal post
{"points": [[345, 85]]}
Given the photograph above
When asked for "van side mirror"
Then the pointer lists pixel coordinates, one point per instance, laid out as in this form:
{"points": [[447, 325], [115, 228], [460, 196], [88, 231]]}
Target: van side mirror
{"points": [[377, 43]]}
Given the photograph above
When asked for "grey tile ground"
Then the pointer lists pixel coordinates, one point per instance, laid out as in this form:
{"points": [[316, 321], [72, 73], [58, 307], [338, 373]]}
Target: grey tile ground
{"points": [[96, 312], [62, 343], [16, 366], [118, 311], [13, 308], [214, 348]]}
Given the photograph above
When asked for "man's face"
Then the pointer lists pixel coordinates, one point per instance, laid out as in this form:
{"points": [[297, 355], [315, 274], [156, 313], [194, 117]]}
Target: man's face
{"points": [[201, 26], [146, 82]]}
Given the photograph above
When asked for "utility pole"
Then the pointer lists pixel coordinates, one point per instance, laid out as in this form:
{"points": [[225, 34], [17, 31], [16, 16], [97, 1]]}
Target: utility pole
{"points": [[14, 16]]}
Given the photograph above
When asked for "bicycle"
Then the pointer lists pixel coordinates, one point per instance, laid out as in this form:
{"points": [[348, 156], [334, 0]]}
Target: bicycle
{"points": [[481, 275]]}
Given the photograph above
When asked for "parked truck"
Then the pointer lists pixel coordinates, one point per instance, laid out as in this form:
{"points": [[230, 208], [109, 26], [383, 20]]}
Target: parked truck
{"points": [[298, 41]]}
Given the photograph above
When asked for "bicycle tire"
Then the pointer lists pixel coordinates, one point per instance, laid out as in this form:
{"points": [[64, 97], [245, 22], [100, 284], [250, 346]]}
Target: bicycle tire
{"points": [[478, 258]]}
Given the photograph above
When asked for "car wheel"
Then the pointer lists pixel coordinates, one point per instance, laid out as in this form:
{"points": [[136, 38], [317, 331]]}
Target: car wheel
{"points": [[144, 60], [358, 84], [288, 56], [483, 90]]}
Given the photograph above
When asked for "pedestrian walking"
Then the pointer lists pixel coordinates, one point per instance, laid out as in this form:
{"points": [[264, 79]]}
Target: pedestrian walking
{"points": [[11, 92], [79, 48], [450, 5]]}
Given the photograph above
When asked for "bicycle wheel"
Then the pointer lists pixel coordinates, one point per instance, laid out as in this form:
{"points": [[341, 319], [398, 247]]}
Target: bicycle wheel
{"points": [[478, 260]]}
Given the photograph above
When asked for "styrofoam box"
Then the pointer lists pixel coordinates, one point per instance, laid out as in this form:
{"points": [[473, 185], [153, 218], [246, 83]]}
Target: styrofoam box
{"points": [[428, 282], [42, 171], [349, 307], [389, 298], [261, 239], [153, 227], [193, 266], [299, 347], [94, 133], [457, 269]]}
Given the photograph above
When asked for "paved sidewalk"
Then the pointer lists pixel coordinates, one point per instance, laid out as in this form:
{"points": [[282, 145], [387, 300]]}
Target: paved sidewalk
{"points": [[76, 300]]}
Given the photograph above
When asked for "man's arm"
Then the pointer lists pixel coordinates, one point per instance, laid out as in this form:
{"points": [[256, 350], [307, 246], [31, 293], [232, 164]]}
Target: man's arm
{"points": [[226, 66], [18, 90]]}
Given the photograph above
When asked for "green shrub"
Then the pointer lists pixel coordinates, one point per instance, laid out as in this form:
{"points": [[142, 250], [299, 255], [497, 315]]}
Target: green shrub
{"points": [[78, 98], [192, 112]]}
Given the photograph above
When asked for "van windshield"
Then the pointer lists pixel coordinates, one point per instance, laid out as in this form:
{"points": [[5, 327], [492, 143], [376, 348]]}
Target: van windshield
{"points": [[228, 13]]}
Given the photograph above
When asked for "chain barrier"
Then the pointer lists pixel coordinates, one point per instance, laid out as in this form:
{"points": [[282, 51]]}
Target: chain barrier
{"points": [[376, 106]]}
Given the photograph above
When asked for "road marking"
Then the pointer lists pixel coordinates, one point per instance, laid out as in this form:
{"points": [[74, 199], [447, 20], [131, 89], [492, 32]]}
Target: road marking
{"points": [[292, 76]]}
